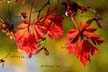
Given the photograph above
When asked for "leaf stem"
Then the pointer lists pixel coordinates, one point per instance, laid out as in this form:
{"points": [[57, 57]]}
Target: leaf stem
{"points": [[74, 22], [45, 42]]}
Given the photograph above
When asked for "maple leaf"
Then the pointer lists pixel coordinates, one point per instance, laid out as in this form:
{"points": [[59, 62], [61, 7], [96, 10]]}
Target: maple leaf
{"points": [[27, 40], [82, 42], [85, 49], [56, 29], [52, 24]]}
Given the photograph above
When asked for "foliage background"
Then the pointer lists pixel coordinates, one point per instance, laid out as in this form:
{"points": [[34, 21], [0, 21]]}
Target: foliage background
{"points": [[59, 60]]}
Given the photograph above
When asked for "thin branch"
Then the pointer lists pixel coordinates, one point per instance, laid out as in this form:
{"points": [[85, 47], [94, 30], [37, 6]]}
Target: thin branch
{"points": [[32, 3], [39, 11], [8, 10], [6, 55], [74, 22], [30, 14], [97, 21], [45, 42], [1, 21], [94, 11]]}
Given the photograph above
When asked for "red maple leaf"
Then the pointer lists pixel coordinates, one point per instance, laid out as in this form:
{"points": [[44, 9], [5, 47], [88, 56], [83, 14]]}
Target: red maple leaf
{"points": [[52, 24], [56, 29], [27, 40], [82, 42], [27, 37]]}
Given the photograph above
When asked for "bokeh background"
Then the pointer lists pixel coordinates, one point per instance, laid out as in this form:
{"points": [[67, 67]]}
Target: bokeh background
{"points": [[59, 60]]}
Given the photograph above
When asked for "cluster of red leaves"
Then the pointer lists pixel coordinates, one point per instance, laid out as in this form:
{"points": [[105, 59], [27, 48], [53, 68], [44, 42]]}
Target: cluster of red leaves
{"points": [[28, 35], [82, 42]]}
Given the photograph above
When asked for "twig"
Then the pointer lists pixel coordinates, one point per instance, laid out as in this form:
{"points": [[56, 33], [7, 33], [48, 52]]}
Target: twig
{"points": [[31, 8], [1, 21], [45, 42], [39, 11], [74, 22], [94, 11]]}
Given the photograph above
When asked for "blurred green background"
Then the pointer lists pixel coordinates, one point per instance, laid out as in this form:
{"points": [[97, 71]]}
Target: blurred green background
{"points": [[59, 60]]}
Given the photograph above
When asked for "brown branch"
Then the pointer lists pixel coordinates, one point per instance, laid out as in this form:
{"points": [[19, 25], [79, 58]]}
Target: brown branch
{"points": [[97, 19], [31, 8], [39, 11], [74, 22]]}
